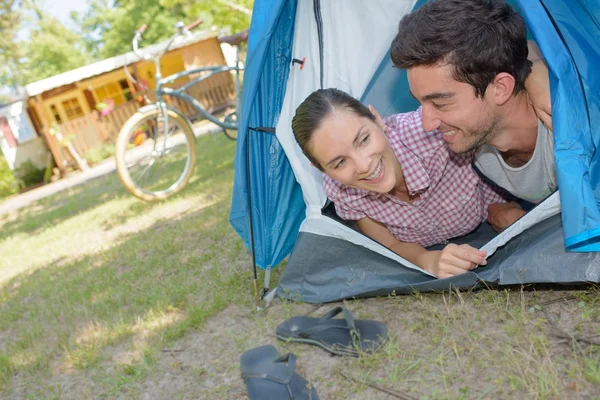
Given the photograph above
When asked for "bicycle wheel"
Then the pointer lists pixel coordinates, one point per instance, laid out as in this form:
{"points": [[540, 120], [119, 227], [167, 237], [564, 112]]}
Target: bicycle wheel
{"points": [[231, 118], [150, 164]]}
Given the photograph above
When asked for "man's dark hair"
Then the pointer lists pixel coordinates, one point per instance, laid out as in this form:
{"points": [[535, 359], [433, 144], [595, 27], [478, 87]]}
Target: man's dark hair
{"points": [[480, 38], [313, 110]]}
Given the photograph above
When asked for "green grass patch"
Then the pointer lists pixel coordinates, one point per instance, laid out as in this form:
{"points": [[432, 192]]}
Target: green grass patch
{"points": [[112, 275], [105, 296]]}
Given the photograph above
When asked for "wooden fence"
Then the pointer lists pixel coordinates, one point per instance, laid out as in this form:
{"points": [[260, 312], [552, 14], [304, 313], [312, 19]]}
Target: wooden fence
{"points": [[214, 93], [93, 130]]}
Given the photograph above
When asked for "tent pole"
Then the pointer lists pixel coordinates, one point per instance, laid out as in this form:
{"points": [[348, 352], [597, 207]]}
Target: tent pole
{"points": [[266, 282], [258, 297], [248, 189]]}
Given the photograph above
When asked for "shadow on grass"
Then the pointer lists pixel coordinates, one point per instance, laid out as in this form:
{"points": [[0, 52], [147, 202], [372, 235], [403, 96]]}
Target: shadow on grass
{"points": [[216, 155]]}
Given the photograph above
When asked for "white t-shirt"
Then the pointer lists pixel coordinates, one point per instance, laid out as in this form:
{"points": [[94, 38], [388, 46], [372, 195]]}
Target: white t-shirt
{"points": [[533, 181]]}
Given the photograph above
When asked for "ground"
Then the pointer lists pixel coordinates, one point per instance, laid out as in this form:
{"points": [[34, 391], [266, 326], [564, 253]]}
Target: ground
{"points": [[104, 296]]}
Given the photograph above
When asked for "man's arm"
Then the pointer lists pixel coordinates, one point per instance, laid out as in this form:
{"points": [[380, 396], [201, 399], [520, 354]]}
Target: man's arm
{"points": [[500, 211], [538, 85], [501, 216]]}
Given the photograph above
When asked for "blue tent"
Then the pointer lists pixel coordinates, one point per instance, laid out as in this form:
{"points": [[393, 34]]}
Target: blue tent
{"points": [[277, 187]]}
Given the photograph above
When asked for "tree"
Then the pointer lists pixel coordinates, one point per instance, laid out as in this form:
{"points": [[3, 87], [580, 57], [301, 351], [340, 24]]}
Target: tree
{"points": [[113, 27], [109, 29], [228, 15], [105, 30], [92, 24], [10, 21], [52, 49]]}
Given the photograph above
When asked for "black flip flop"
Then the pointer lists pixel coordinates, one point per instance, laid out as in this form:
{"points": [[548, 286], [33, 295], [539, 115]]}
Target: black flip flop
{"points": [[344, 337], [269, 376]]}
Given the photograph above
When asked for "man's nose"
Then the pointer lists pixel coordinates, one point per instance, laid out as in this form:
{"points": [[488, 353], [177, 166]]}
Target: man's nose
{"points": [[430, 119]]}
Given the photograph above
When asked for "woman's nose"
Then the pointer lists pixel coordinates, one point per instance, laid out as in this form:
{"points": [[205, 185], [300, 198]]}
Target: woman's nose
{"points": [[362, 164]]}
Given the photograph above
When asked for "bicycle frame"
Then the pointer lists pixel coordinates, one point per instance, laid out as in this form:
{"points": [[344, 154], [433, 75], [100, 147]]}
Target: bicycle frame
{"points": [[161, 81], [180, 92]]}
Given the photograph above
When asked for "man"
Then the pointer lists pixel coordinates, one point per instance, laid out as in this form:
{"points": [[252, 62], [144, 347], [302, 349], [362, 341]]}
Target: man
{"points": [[467, 65]]}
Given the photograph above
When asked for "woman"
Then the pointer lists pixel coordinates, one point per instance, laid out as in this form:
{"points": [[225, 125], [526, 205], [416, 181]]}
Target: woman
{"points": [[402, 185]]}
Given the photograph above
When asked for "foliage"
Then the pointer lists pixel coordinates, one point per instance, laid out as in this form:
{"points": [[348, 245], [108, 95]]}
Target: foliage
{"points": [[10, 20], [8, 182], [53, 49], [29, 174], [100, 153], [115, 25], [231, 16], [104, 30]]}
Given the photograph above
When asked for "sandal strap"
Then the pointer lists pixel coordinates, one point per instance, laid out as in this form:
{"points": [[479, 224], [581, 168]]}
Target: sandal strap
{"points": [[326, 322], [289, 359]]}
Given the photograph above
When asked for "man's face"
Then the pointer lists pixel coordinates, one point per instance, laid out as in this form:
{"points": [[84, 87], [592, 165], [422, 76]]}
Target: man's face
{"points": [[465, 120]]}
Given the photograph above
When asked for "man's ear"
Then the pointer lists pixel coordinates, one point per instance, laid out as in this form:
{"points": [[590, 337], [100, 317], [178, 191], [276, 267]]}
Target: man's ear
{"points": [[504, 86], [377, 116]]}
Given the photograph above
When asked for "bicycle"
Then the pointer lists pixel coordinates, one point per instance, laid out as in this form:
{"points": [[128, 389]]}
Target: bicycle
{"points": [[159, 133]]}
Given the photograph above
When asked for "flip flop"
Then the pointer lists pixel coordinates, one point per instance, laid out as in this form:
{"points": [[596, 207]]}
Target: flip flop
{"points": [[344, 337], [269, 376]]}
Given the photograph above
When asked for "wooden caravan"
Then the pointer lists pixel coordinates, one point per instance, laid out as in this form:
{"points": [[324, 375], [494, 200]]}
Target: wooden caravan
{"points": [[88, 105]]}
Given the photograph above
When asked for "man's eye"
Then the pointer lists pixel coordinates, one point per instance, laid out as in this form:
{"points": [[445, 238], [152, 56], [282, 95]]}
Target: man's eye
{"points": [[340, 163], [438, 105]]}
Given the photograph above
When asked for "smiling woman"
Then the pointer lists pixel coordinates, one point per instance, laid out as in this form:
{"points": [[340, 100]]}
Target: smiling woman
{"points": [[402, 185]]}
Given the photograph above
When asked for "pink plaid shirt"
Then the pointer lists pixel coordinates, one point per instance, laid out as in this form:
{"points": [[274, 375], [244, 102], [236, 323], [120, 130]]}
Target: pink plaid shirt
{"points": [[453, 199]]}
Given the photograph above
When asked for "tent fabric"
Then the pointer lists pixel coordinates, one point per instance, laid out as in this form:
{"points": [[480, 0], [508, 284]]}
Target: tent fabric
{"points": [[349, 62], [317, 274], [568, 34], [278, 208], [330, 259]]}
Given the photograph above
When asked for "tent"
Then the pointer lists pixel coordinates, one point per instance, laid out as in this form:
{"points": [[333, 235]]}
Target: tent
{"points": [[279, 207]]}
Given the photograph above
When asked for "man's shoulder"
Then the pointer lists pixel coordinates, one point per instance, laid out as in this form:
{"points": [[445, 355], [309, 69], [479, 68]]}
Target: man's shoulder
{"points": [[543, 128]]}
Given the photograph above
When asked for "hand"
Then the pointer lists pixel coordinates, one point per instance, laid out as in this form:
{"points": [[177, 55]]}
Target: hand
{"points": [[455, 260], [501, 215]]}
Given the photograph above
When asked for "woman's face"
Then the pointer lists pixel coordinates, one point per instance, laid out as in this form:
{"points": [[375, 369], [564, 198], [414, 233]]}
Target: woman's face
{"points": [[355, 151]]}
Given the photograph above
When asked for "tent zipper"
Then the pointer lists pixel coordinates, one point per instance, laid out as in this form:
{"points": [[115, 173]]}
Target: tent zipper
{"points": [[319, 21]]}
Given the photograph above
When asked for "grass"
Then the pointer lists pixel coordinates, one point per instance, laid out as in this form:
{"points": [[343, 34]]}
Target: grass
{"points": [[104, 296]]}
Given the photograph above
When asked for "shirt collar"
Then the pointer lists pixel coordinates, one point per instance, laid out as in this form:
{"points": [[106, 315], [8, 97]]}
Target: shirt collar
{"points": [[415, 174]]}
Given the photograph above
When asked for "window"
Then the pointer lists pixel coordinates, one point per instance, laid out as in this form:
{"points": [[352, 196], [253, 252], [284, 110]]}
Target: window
{"points": [[24, 131], [119, 92], [55, 114], [126, 89], [72, 108]]}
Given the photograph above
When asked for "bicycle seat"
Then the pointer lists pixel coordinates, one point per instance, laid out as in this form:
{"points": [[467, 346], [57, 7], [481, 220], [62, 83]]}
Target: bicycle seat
{"points": [[235, 39]]}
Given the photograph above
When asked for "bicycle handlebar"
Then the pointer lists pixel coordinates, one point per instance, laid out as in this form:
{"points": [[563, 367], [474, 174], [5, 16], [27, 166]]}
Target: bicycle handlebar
{"points": [[181, 30], [193, 24]]}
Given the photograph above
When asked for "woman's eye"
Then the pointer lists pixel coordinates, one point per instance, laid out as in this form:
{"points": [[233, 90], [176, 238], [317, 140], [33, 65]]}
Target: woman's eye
{"points": [[340, 163], [365, 139]]}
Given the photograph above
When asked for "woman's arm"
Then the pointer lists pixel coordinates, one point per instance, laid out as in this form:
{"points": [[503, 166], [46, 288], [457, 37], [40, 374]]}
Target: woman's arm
{"points": [[538, 85], [452, 260]]}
